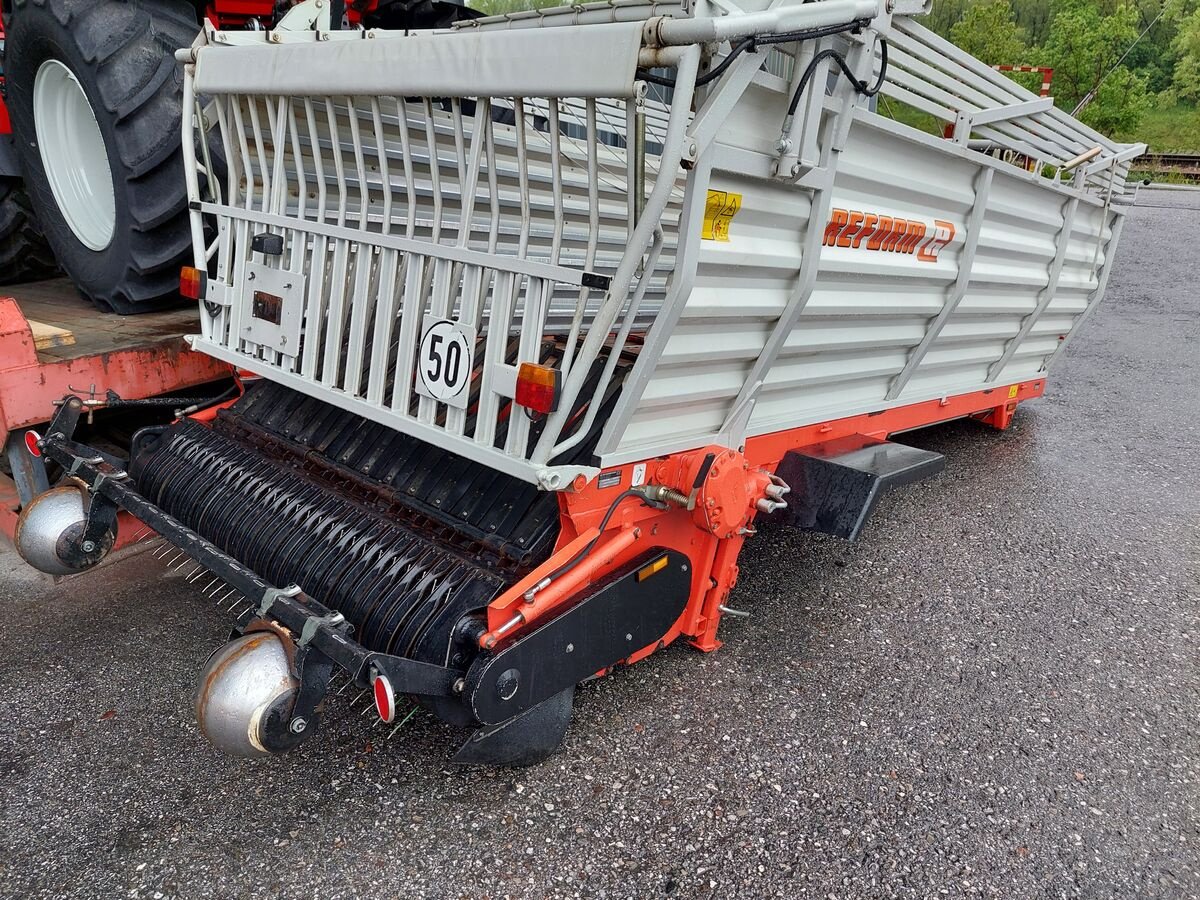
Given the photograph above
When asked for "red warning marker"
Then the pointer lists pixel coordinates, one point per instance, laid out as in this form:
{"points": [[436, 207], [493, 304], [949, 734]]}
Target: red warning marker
{"points": [[32, 439], [385, 697]]}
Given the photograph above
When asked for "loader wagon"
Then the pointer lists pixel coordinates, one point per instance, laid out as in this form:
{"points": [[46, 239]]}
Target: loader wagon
{"points": [[540, 315]]}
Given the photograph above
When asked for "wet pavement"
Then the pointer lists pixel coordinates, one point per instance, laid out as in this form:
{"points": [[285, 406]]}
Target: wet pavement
{"points": [[993, 693]]}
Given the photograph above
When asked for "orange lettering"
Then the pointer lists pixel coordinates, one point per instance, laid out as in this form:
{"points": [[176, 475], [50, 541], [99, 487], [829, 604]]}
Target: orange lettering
{"points": [[884, 229], [837, 221], [916, 231], [899, 227], [868, 229], [943, 234], [856, 220]]}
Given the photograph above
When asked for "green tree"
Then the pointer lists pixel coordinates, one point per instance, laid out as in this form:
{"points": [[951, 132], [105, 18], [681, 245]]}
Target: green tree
{"points": [[1186, 79], [988, 31], [1085, 46]]}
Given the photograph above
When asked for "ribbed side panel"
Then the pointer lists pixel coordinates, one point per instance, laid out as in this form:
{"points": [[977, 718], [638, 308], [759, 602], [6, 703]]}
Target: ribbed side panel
{"points": [[870, 310]]}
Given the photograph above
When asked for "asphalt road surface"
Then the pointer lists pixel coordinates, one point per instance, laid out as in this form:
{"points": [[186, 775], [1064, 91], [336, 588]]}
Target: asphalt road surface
{"points": [[993, 693]]}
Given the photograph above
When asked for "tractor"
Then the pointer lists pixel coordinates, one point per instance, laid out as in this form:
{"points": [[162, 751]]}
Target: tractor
{"points": [[91, 167]]}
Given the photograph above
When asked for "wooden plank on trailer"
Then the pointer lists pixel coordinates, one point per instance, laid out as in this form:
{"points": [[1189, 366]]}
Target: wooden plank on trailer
{"points": [[47, 336]]}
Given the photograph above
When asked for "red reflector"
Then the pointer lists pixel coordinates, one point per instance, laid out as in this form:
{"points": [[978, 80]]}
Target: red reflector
{"points": [[537, 388], [192, 282], [385, 697], [32, 439]]}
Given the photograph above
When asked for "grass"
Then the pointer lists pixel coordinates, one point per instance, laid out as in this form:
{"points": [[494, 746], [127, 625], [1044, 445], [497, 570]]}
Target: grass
{"points": [[1168, 130]]}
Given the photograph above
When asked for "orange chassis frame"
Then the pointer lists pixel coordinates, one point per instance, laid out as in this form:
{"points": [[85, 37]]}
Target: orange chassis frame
{"points": [[636, 527]]}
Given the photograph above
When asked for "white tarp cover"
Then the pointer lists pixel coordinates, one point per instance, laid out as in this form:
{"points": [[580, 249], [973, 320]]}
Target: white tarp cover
{"points": [[592, 61]]}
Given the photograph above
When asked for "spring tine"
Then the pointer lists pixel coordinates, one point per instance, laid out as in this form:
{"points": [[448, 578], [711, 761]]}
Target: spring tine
{"points": [[354, 702], [240, 599], [201, 571], [412, 712]]}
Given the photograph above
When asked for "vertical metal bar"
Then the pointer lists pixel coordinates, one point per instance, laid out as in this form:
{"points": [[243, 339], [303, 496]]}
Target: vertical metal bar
{"points": [[966, 261], [247, 163], [384, 172], [385, 319], [360, 168], [495, 346], [1047, 295], [335, 313], [593, 189], [360, 309], [1097, 296], [310, 116], [279, 173], [516, 441], [439, 303], [411, 310], [261, 153], [338, 165], [313, 311], [435, 166], [410, 191]]}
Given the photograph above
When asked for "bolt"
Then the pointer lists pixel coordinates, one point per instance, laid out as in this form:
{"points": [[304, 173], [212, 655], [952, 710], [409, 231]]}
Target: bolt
{"points": [[282, 339], [89, 546], [629, 637], [570, 648], [298, 725], [460, 685]]}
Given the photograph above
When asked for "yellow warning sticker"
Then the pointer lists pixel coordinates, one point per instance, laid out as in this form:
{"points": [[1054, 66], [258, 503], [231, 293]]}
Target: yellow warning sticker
{"points": [[1012, 391], [719, 211]]}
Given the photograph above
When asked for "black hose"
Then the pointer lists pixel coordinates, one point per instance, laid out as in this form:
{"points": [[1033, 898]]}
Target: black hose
{"points": [[582, 554], [860, 86], [752, 43]]}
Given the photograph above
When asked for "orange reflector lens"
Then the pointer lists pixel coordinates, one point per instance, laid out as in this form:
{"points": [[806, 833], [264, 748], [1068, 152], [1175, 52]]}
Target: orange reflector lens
{"points": [[653, 569], [537, 388], [385, 697], [192, 282], [32, 439]]}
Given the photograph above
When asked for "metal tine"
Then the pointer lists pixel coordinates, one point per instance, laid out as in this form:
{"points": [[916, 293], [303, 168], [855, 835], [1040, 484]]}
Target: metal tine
{"points": [[201, 571], [412, 712]]}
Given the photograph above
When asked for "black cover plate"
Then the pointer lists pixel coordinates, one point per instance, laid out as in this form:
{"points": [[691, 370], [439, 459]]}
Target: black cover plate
{"points": [[836, 485], [621, 617]]}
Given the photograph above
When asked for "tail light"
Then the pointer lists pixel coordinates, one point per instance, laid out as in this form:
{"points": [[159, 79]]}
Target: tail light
{"points": [[32, 439], [192, 282], [537, 388]]}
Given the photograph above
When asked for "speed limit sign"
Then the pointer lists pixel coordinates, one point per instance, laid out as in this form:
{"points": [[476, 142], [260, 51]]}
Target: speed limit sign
{"points": [[445, 361]]}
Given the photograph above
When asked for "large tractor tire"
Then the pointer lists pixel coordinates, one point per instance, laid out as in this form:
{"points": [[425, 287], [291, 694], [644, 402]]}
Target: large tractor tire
{"points": [[95, 95], [24, 253]]}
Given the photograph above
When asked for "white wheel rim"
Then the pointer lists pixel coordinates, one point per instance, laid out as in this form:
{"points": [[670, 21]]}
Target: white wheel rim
{"points": [[73, 155]]}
